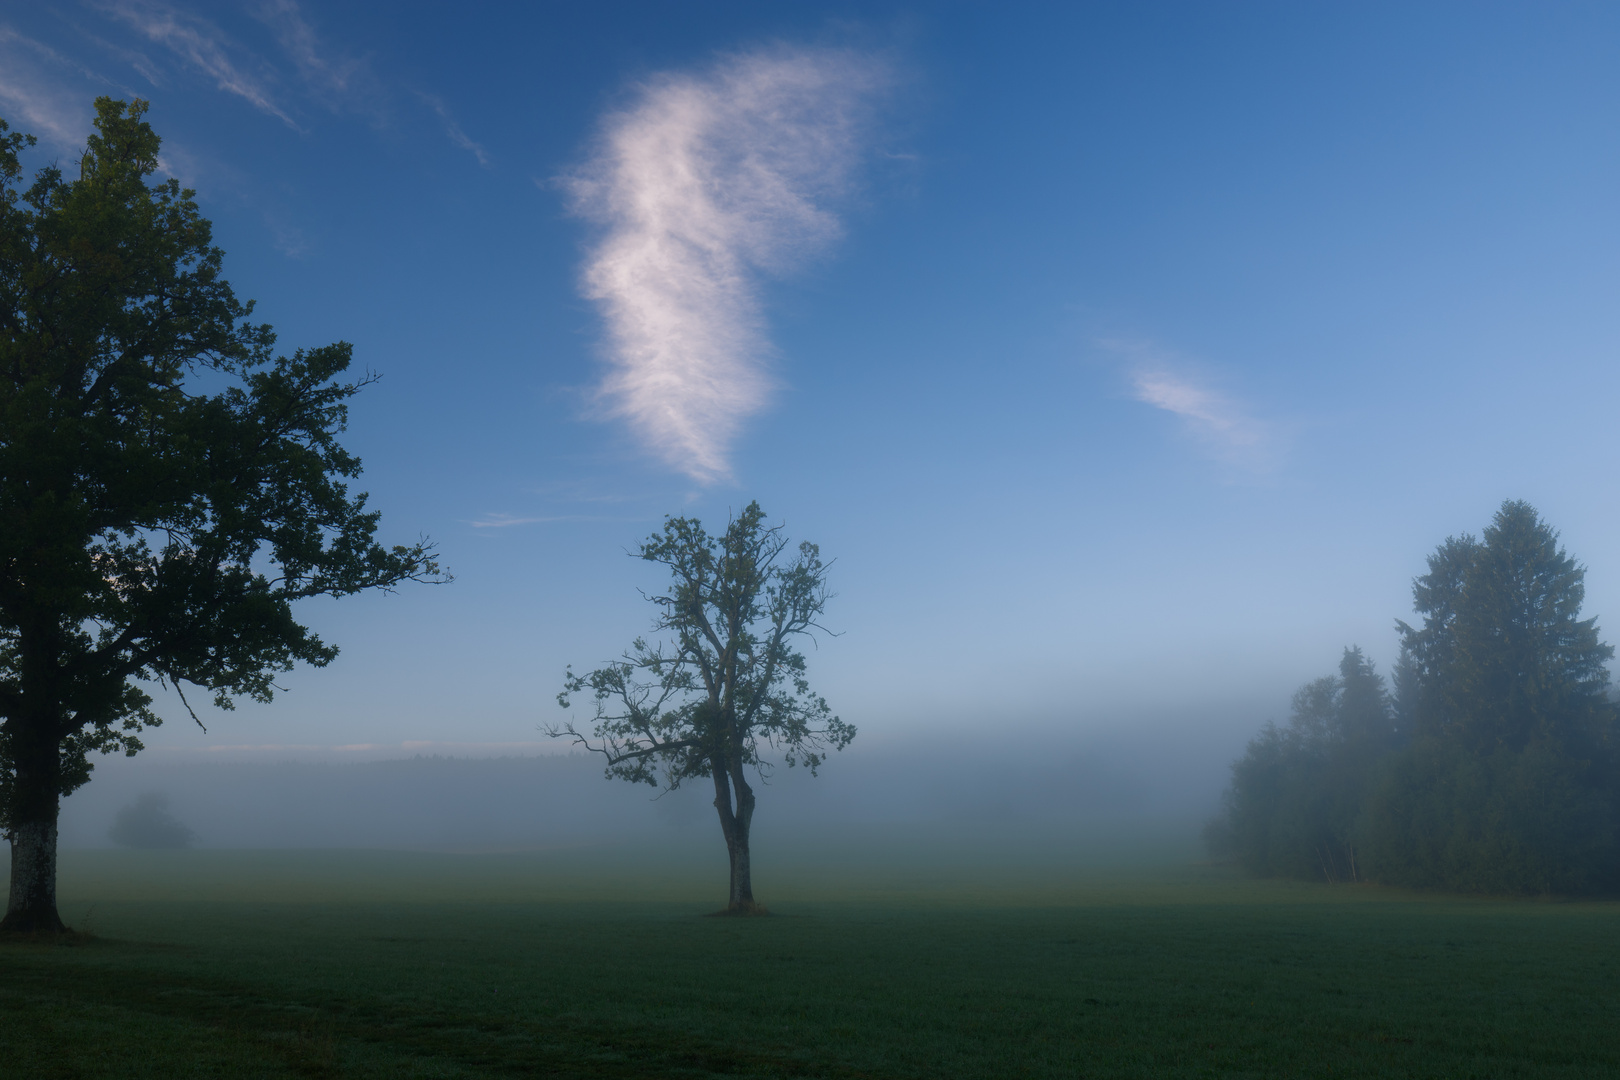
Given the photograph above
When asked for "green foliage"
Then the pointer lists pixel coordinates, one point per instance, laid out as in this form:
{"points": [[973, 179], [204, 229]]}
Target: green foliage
{"points": [[1503, 778], [1509, 784], [1503, 657], [170, 486], [728, 680], [1296, 794], [1530, 821], [728, 677]]}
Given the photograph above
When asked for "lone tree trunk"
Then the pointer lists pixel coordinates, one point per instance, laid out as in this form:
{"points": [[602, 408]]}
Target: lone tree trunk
{"points": [[735, 825], [35, 803]]}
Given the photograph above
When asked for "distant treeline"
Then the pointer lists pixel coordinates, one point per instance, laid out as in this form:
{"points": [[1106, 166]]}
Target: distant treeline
{"points": [[1491, 767]]}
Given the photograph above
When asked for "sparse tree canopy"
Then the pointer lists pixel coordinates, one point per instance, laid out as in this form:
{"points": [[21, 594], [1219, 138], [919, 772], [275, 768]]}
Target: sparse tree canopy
{"points": [[169, 486], [727, 682]]}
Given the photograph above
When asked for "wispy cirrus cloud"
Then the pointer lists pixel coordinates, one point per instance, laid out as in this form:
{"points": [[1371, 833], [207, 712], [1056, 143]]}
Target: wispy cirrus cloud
{"points": [[200, 44], [297, 38], [55, 117], [338, 82], [703, 183], [1225, 428], [507, 521], [453, 129], [34, 95]]}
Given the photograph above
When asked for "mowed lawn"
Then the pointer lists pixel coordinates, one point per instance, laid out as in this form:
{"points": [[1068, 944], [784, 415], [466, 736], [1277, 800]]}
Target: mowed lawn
{"points": [[602, 964]]}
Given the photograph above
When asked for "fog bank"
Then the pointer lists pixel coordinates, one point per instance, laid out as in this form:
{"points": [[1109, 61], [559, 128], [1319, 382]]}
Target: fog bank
{"points": [[562, 800]]}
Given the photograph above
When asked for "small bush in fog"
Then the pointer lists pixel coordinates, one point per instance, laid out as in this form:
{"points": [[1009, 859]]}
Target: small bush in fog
{"points": [[147, 823], [1494, 767]]}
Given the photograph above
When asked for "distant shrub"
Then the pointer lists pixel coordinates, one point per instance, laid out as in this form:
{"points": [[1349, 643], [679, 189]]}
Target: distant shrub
{"points": [[147, 823]]}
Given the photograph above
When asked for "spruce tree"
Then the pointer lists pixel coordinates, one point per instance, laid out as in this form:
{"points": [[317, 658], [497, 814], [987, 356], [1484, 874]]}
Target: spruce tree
{"points": [[1509, 784]]}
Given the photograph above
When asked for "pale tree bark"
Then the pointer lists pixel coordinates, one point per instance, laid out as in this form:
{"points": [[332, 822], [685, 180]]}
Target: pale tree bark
{"points": [[31, 905]]}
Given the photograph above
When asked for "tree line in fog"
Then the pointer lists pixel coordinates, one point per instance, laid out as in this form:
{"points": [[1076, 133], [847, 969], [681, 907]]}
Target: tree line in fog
{"points": [[1489, 762]]}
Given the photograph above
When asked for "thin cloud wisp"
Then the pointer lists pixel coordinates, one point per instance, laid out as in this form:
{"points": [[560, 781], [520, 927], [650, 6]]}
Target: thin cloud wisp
{"points": [[1222, 426]]}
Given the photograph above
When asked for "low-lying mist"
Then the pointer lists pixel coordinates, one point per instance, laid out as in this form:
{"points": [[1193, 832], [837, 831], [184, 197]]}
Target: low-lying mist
{"points": [[1017, 785]]}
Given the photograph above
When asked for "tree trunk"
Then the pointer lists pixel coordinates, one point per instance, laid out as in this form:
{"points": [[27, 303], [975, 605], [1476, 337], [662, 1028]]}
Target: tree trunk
{"points": [[734, 825], [35, 803], [32, 906]]}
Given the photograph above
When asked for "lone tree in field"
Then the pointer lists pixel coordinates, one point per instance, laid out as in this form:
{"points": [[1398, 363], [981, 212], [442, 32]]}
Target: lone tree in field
{"points": [[168, 486], [729, 680]]}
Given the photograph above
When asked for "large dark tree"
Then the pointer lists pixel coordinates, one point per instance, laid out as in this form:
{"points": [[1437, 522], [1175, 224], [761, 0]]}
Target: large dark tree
{"points": [[1503, 657], [1509, 783], [1495, 770], [725, 683], [168, 486]]}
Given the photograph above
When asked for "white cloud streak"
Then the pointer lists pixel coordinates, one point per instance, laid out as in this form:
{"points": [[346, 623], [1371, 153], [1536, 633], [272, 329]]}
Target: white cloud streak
{"points": [[35, 111], [703, 183], [1225, 428], [506, 521], [38, 103], [200, 44]]}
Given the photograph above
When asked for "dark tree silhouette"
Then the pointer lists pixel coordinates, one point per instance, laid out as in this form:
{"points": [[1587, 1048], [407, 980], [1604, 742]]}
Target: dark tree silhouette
{"points": [[1509, 784], [1496, 768], [169, 487], [728, 680], [1503, 657]]}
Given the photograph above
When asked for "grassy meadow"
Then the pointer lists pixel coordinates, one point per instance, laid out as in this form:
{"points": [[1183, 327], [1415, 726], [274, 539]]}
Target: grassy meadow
{"points": [[887, 956]]}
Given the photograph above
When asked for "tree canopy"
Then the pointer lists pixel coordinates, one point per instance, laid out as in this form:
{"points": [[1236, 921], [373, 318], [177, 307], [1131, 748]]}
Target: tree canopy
{"points": [[725, 683], [1503, 657], [171, 486], [1297, 794], [1495, 769]]}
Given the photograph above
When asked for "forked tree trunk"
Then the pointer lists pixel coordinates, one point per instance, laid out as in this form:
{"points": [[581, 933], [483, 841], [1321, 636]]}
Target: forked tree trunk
{"points": [[734, 824], [31, 907]]}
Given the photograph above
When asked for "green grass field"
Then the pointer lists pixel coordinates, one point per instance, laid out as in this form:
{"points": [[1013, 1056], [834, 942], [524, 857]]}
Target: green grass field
{"points": [[910, 960]]}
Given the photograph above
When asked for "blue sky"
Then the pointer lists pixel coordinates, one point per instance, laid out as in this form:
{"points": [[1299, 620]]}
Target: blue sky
{"points": [[1128, 358]]}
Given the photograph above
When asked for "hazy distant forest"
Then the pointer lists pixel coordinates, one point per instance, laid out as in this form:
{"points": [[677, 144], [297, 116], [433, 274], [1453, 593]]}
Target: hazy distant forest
{"points": [[1490, 766]]}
